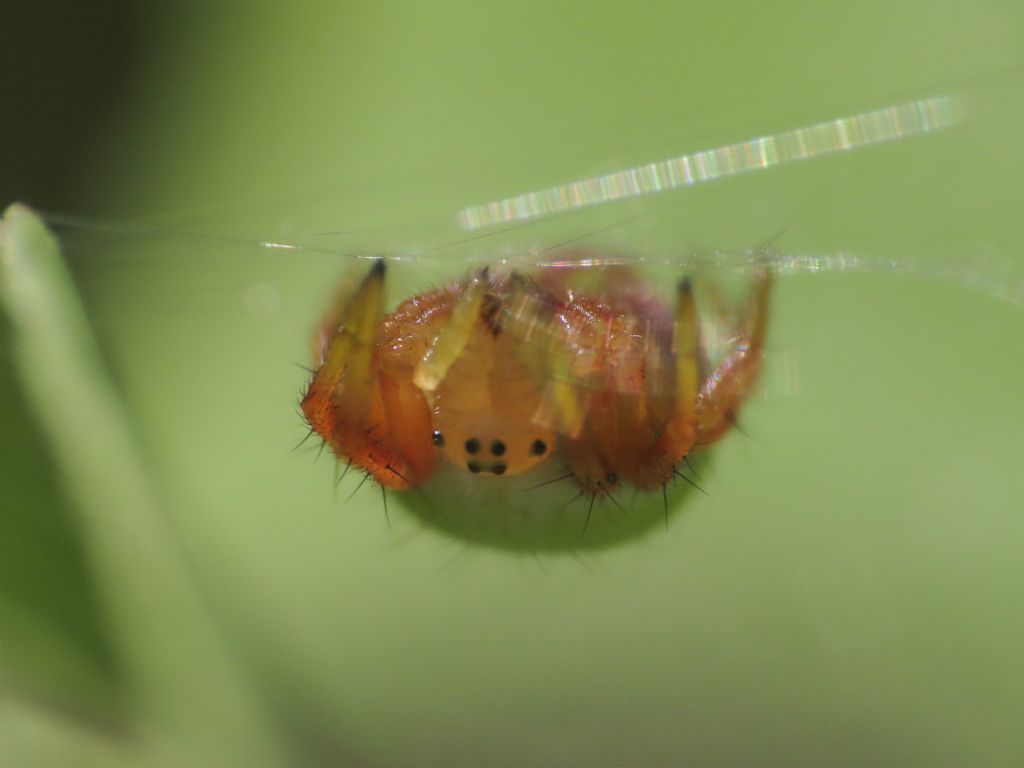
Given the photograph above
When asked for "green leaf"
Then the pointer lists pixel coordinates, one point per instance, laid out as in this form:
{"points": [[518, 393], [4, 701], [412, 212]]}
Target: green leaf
{"points": [[187, 694]]}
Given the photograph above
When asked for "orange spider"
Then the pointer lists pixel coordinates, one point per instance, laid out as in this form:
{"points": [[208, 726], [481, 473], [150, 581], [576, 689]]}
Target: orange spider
{"points": [[500, 372]]}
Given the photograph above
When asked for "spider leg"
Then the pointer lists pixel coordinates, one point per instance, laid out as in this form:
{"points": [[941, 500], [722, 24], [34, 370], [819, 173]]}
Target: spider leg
{"points": [[453, 336], [681, 429], [607, 352], [723, 392], [532, 317], [363, 404], [347, 354], [661, 419], [590, 354]]}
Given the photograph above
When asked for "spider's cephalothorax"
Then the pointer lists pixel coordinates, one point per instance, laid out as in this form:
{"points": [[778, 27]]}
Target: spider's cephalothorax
{"points": [[499, 373]]}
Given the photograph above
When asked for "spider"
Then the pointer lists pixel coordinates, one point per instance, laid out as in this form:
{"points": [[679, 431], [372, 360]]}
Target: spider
{"points": [[503, 371]]}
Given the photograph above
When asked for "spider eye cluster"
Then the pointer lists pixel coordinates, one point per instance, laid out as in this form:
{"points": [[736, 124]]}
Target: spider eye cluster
{"points": [[474, 446], [477, 453]]}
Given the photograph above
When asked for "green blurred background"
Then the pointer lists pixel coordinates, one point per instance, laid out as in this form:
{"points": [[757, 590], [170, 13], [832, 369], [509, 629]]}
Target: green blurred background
{"points": [[848, 594]]}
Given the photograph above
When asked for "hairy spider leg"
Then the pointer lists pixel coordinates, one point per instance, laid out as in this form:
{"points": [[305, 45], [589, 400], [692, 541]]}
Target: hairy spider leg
{"points": [[608, 349], [609, 389], [362, 399], [655, 418]]}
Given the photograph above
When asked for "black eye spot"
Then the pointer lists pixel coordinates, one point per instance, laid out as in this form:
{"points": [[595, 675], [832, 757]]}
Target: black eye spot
{"points": [[473, 467], [497, 447], [472, 445], [538, 448], [499, 469], [438, 438], [612, 479]]}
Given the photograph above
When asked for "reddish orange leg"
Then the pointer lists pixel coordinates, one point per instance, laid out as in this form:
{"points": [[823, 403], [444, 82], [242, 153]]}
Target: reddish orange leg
{"points": [[679, 434], [640, 411], [725, 390], [368, 413]]}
